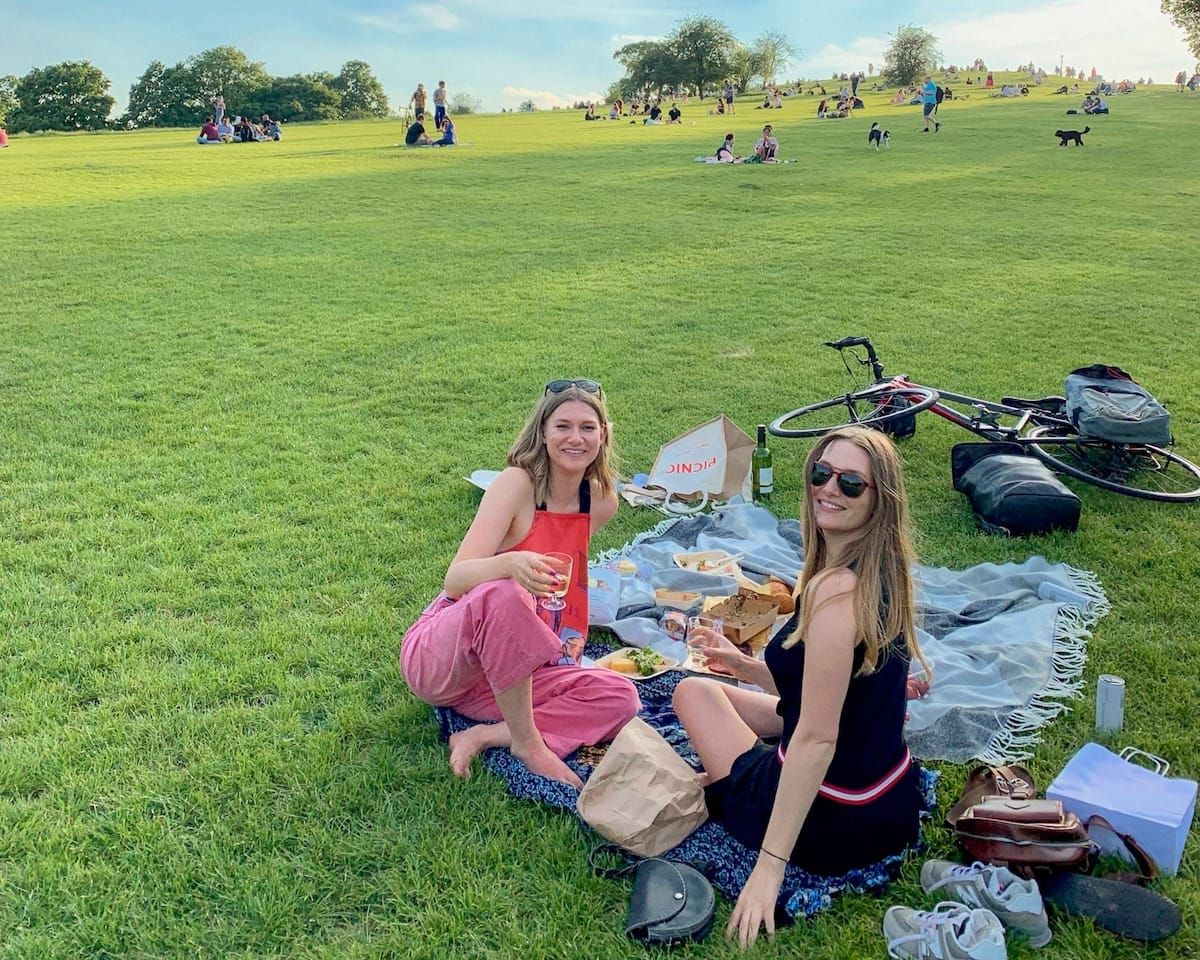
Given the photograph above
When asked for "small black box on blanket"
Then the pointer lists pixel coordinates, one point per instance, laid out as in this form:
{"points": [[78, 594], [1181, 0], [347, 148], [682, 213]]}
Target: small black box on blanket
{"points": [[1010, 492]]}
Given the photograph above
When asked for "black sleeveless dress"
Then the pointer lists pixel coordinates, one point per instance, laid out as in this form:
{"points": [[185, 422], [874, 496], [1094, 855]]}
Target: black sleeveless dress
{"points": [[869, 804]]}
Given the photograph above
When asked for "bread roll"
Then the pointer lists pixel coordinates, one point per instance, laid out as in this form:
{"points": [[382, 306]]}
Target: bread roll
{"points": [[782, 593]]}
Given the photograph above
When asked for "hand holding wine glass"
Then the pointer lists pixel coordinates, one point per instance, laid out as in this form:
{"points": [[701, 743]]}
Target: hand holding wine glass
{"points": [[561, 564]]}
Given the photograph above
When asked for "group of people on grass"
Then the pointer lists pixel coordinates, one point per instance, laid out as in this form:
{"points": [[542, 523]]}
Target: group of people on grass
{"points": [[440, 103], [805, 762], [766, 149], [218, 128], [415, 135], [651, 112]]}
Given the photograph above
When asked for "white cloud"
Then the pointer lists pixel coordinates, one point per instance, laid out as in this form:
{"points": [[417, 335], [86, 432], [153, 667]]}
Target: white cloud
{"points": [[546, 99], [413, 19], [436, 16], [620, 39]]}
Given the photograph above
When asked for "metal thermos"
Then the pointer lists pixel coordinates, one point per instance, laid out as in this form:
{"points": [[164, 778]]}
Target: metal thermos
{"points": [[1110, 702]]}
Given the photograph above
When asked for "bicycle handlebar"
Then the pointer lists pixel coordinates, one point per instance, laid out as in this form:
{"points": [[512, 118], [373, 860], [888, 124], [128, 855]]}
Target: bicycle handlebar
{"points": [[847, 342]]}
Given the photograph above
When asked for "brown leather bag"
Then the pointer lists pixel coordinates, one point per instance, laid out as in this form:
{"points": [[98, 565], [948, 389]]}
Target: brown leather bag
{"points": [[1006, 781], [1023, 833]]}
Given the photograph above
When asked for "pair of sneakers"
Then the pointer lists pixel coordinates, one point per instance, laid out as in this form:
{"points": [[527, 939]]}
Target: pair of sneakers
{"points": [[988, 900]]}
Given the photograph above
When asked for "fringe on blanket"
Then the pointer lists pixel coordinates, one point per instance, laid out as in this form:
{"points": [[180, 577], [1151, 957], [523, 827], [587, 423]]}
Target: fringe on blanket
{"points": [[619, 553], [1072, 627]]}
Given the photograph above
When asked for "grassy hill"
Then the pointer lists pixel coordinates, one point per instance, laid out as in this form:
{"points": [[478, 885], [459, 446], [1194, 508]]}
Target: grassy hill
{"points": [[240, 385]]}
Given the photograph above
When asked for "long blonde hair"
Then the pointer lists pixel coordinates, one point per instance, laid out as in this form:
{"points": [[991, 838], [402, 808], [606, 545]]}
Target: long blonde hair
{"points": [[528, 451], [882, 558]]}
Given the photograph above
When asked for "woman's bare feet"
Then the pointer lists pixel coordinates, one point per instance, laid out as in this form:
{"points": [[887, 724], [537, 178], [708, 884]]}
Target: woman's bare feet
{"points": [[465, 744], [542, 761]]}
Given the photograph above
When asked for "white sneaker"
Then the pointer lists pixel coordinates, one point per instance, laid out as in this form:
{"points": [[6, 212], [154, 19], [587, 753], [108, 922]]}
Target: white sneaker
{"points": [[1017, 902], [952, 931]]}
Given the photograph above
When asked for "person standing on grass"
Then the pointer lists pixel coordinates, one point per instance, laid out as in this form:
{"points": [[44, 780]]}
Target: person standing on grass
{"points": [[417, 100], [929, 103], [839, 790], [218, 107], [729, 97], [485, 646], [439, 104]]}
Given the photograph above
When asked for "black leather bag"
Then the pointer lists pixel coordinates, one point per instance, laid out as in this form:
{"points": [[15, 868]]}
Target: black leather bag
{"points": [[671, 901], [1012, 493]]}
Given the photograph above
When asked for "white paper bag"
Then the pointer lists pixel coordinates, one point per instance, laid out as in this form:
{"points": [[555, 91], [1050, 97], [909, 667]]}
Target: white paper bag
{"points": [[1155, 810], [708, 461]]}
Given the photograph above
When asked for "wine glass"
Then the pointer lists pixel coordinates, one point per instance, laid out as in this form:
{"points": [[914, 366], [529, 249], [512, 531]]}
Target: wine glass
{"points": [[561, 562], [696, 660]]}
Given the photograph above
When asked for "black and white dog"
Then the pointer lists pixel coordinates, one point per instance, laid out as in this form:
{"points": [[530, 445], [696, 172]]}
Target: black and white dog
{"points": [[877, 138]]}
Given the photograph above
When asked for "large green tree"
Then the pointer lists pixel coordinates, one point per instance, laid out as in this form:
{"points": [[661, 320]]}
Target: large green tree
{"points": [[8, 97], [704, 50], [362, 94], [1186, 14], [302, 97], [650, 68], [770, 55], [164, 97], [912, 53], [229, 72], [66, 96]]}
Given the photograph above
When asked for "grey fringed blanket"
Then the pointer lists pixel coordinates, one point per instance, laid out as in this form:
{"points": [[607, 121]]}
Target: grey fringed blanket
{"points": [[1007, 642]]}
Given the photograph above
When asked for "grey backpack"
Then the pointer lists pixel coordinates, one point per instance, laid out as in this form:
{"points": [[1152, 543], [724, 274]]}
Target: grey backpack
{"points": [[1106, 403]]}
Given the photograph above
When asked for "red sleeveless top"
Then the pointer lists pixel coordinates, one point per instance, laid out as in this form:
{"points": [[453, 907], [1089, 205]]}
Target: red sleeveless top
{"points": [[568, 533]]}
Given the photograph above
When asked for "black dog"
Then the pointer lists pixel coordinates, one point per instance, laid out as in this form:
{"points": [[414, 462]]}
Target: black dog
{"points": [[876, 137], [1066, 136]]}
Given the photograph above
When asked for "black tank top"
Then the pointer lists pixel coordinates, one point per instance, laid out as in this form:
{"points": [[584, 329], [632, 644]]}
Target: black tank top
{"points": [[871, 729]]}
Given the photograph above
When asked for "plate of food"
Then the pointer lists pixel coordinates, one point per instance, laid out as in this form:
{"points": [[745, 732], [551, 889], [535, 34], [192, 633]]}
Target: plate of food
{"points": [[637, 663], [716, 562]]}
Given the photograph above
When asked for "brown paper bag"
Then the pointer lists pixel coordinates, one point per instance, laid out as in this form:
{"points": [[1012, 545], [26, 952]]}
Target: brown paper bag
{"points": [[642, 795]]}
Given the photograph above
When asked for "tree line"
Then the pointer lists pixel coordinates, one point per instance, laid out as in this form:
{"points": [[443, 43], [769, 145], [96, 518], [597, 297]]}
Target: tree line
{"points": [[74, 95], [698, 57], [701, 55]]}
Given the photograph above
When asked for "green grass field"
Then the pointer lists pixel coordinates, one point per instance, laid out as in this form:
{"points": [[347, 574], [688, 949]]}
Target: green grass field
{"points": [[239, 387]]}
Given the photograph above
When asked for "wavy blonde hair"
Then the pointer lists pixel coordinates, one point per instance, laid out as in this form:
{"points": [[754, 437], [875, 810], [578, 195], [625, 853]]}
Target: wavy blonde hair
{"points": [[529, 449], [882, 558]]}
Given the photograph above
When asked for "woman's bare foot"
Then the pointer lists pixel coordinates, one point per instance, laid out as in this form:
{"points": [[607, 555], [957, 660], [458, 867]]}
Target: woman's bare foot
{"points": [[542, 761], [465, 744]]}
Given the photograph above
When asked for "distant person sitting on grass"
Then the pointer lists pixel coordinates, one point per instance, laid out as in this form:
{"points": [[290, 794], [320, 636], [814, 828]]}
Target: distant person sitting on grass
{"points": [[416, 136], [674, 115], [725, 151], [208, 133], [225, 130], [767, 146], [448, 138]]}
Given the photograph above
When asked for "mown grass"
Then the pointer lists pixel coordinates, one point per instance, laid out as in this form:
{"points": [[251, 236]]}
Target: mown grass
{"points": [[240, 385]]}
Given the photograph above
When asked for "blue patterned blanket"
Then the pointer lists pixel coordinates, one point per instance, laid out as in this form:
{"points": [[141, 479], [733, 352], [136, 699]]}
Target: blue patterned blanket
{"points": [[729, 862]]}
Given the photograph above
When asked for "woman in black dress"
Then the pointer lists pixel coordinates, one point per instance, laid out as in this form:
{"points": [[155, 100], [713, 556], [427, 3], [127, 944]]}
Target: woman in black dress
{"points": [[836, 787]]}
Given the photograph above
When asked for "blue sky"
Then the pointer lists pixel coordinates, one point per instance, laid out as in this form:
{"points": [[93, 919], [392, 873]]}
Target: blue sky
{"points": [[559, 51]]}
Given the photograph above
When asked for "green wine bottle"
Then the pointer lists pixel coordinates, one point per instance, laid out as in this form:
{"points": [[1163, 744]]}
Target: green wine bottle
{"points": [[763, 477]]}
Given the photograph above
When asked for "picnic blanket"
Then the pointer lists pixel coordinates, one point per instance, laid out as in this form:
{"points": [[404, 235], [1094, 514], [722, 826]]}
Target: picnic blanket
{"points": [[1007, 642], [727, 861]]}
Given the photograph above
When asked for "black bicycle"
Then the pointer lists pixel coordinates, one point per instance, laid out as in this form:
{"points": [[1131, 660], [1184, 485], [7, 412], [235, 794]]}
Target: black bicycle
{"points": [[1041, 426]]}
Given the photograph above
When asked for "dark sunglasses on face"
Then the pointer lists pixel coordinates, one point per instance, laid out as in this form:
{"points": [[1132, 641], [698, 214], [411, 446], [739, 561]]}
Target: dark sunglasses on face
{"points": [[587, 386], [851, 484]]}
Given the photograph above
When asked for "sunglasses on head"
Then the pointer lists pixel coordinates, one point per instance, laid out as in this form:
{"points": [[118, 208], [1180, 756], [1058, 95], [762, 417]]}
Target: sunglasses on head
{"points": [[587, 386], [851, 484]]}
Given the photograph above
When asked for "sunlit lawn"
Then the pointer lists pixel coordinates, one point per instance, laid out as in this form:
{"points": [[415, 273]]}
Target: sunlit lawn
{"points": [[239, 387]]}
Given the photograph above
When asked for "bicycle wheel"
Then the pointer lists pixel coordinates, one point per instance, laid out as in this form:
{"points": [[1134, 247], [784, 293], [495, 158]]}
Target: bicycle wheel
{"points": [[1150, 473], [873, 407]]}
